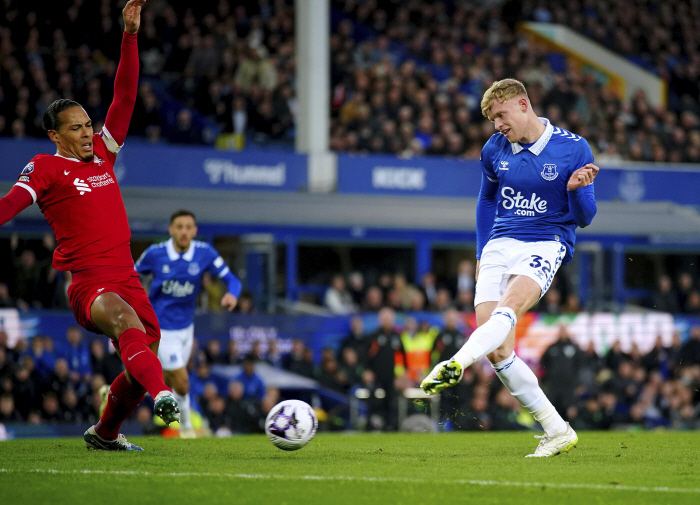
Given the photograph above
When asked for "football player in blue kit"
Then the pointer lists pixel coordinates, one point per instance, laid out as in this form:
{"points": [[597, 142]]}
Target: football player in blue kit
{"points": [[537, 187], [177, 266]]}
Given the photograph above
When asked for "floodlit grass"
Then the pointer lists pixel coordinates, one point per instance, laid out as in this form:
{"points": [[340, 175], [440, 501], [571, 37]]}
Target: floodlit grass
{"points": [[338, 469]]}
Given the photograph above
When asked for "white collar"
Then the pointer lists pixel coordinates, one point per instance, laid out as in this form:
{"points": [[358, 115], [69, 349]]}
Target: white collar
{"points": [[70, 159], [538, 146], [173, 254]]}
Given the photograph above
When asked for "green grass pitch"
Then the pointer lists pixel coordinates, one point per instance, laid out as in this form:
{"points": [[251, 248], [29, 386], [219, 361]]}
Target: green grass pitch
{"points": [[337, 469]]}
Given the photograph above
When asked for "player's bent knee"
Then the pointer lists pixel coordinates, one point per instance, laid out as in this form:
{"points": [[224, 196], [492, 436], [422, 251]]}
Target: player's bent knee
{"points": [[501, 353]]}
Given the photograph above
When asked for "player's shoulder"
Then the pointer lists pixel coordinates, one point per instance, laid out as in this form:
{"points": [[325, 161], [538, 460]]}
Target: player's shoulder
{"points": [[201, 244], [202, 247], [496, 144], [40, 162], [157, 248], [564, 139]]}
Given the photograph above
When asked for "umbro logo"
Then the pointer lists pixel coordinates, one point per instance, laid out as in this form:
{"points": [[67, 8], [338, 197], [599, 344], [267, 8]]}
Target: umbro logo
{"points": [[81, 186]]}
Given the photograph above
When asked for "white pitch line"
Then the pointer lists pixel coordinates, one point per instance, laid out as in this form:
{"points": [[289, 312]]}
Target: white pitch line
{"points": [[602, 487]]}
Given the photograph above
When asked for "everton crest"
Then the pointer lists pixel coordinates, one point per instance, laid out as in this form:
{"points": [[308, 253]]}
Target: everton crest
{"points": [[549, 172]]}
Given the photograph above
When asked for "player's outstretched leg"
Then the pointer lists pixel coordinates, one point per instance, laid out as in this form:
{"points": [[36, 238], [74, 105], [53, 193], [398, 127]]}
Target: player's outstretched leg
{"points": [[445, 374], [551, 445], [166, 407], [143, 364], [523, 385], [96, 443], [120, 401], [486, 338]]}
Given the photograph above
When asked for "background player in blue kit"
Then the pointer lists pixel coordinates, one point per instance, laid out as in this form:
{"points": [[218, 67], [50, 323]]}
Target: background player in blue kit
{"points": [[177, 266], [537, 187]]}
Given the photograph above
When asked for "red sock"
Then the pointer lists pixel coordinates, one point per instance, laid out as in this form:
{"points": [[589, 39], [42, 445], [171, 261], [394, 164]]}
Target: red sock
{"points": [[141, 362], [123, 399]]}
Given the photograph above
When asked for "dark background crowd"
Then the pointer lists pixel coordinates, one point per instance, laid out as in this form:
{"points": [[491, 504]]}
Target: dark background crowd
{"points": [[56, 380], [407, 77]]}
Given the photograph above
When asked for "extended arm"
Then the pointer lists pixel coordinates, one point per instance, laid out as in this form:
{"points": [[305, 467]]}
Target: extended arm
{"points": [[127, 79], [13, 203]]}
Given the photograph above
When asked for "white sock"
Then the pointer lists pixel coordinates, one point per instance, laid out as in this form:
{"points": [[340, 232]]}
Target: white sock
{"points": [[184, 404], [523, 385], [487, 338]]}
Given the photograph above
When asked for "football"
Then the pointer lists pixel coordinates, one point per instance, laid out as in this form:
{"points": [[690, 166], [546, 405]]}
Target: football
{"points": [[291, 424]]}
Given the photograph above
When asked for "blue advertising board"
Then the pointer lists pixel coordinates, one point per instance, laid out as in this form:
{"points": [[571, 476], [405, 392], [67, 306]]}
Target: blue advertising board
{"points": [[146, 165], [434, 176]]}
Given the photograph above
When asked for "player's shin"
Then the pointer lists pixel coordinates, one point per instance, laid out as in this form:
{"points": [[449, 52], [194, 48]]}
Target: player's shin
{"points": [[122, 400], [141, 362], [487, 338], [523, 385], [184, 403]]}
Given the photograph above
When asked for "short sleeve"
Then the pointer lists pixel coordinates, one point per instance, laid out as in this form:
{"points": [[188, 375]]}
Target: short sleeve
{"points": [[217, 265], [36, 178], [145, 263]]}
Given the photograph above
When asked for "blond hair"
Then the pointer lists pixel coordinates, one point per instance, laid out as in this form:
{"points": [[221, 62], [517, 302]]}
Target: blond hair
{"points": [[501, 90]]}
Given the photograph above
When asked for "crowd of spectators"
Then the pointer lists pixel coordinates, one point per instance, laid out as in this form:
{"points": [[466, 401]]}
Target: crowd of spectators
{"points": [[230, 63], [414, 85], [681, 297], [407, 77], [430, 294], [42, 382]]}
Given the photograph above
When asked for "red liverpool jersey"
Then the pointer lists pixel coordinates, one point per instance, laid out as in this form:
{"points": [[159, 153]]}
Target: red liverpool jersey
{"points": [[83, 205]]}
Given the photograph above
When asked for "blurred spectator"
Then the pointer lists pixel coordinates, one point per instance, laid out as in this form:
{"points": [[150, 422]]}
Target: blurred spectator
{"points": [[449, 340], [245, 303], [253, 386], [300, 360], [213, 353], [6, 300], [356, 287], [337, 299], [8, 413], [44, 360], [349, 368], [241, 414], [561, 364], [374, 299], [417, 340], [77, 355], [104, 363], [184, 131], [664, 297], [690, 352], [355, 340], [232, 354]]}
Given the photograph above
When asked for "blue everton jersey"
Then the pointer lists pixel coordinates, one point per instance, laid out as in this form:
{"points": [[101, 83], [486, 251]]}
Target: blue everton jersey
{"points": [[532, 202], [177, 278]]}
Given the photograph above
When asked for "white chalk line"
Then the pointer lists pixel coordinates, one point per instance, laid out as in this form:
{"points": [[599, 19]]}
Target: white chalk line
{"points": [[602, 487]]}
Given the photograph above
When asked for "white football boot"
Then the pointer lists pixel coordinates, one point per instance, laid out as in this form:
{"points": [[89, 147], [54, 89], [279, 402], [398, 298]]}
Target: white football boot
{"points": [[551, 445]]}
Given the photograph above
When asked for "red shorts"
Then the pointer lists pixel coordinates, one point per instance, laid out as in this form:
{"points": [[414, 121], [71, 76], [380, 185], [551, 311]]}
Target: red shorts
{"points": [[87, 286]]}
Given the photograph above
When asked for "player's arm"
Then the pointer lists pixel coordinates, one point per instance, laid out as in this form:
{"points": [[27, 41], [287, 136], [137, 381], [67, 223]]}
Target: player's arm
{"points": [[126, 80], [219, 267], [13, 203], [485, 204], [144, 265], [580, 188]]}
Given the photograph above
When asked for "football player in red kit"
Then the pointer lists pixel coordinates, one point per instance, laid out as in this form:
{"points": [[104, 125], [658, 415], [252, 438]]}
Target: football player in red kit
{"points": [[77, 192]]}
